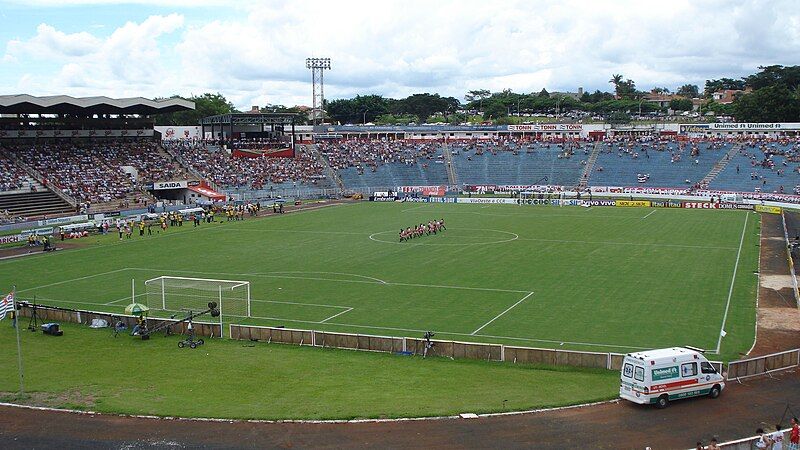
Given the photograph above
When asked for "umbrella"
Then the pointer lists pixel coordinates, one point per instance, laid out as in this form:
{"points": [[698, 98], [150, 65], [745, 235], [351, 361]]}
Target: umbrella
{"points": [[136, 309]]}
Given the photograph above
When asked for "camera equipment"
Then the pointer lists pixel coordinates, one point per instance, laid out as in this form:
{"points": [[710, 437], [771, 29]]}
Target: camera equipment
{"points": [[33, 323], [51, 329]]}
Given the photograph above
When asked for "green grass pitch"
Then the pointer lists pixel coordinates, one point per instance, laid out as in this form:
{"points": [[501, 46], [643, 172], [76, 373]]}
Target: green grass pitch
{"points": [[601, 279]]}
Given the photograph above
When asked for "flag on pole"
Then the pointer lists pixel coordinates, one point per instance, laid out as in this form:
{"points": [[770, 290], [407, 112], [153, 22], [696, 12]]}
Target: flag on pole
{"points": [[6, 305]]}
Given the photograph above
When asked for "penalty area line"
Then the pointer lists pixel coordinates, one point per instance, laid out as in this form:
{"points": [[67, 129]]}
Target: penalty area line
{"points": [[648, 215], [336, 315], [501, 314]]}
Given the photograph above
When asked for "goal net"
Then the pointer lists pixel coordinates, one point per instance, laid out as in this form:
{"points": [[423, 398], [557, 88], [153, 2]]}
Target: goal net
{"points": [[181, 294]]}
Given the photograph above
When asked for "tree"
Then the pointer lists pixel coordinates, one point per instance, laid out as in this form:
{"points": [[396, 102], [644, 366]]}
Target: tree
{"points": [[361, 108], [680, 104], [661, 90], [478, 95], [689, 91], [721, 85], [616, 79], [204, 105], [769, 104], [423, 105], [775, 75], [495, 110]]}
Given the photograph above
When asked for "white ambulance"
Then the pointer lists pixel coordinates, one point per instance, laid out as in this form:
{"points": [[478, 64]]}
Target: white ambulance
{"points": [[658, 376]]}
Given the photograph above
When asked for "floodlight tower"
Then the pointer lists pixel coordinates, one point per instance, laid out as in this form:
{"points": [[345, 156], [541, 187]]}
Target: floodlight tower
{"points": [[318, 66]]}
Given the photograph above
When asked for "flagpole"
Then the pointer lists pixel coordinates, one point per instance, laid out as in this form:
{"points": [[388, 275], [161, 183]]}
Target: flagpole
{"points": [[19, 346]]}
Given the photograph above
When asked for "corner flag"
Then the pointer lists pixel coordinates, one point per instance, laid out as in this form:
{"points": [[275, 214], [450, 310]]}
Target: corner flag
{"points": [[6, 305]]}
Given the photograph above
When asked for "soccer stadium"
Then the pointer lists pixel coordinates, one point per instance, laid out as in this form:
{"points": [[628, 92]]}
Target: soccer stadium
{"points": [[180, 272]]}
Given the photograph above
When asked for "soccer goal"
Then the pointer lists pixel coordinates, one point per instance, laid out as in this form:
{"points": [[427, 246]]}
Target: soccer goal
{"points": [[182, 293]]}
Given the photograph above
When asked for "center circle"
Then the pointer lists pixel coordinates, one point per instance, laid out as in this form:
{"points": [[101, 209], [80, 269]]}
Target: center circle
{"points": [[490, 236]]}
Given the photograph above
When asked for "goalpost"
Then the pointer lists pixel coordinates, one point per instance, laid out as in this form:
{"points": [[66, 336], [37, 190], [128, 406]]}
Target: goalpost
{"points": [[168, 293]]}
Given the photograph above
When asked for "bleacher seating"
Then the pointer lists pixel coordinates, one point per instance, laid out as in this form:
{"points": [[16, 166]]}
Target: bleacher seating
{"points": [[262, 174], [386, 164], [660, 164], [767, 167], [518, 162], [93, 173]]}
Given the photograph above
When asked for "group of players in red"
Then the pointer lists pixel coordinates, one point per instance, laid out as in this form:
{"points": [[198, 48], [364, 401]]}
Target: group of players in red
{"points": [[432, 226]]}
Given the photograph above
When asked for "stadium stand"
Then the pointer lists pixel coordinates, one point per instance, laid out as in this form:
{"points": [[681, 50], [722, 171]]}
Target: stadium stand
{"points": [[762, 166], [655, 163], [519, 162], [255, 174], [386, 164], [96, 173], [22, 196]]}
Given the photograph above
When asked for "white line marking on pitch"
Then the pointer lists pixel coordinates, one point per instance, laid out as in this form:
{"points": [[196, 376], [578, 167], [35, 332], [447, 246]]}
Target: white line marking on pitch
{"points": [[416, 207], [648, 215], [387, 283], [511, 338], [641, 244], [73, 279], [733, 281], [337, 315], [501, 314]]}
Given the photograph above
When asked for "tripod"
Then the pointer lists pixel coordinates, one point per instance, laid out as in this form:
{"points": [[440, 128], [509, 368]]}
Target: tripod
{"points": [[33, 323]]}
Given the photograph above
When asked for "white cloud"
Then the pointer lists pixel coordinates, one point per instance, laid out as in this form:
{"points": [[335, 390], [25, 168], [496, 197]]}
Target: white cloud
{"points": [[257, 55]]}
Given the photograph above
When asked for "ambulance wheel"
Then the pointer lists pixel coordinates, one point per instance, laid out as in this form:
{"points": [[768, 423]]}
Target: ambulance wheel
{"points": [[662, 402], [714, 391], [180, 344]]}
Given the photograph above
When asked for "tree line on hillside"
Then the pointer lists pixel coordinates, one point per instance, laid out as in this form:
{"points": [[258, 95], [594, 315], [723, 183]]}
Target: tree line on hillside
{"points": [[771, 95]]}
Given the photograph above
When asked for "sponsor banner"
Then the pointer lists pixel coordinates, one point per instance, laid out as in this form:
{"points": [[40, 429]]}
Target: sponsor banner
{"points": [[438, 191], [536, 201], [690, 128], [700, 205], [162, 185], [486, 201], [16, 134], [382, 199], [728, 205], [666, 204], [58, 220], [569, 202], [547, 127], [10, 239], [768, 209], [440, 199], [597, 202], [480, 188], [665, 373], [632, 203], [171, 133], [754, 126], [654, 190]]}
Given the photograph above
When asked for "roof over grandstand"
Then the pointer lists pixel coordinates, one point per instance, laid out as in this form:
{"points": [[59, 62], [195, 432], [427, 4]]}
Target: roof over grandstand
{"points": [[64, 104], [250, 118]]}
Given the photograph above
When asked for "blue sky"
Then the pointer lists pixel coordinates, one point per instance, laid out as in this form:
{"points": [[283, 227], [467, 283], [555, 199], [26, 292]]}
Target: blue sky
{"points": [[254, 52]]}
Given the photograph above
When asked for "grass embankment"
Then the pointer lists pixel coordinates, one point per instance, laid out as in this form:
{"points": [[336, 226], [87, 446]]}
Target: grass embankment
{"points": [[89, 369]]}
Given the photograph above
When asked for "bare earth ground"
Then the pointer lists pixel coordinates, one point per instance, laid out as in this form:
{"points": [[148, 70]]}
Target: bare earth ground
{"points": [[737, 413], [778, 316]]}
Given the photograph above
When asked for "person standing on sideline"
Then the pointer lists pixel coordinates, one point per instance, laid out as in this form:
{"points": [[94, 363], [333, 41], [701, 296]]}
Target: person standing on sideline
{"points": [[13, 314], [763, 441], [713, 444], [794, 435], [777, 438]]}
